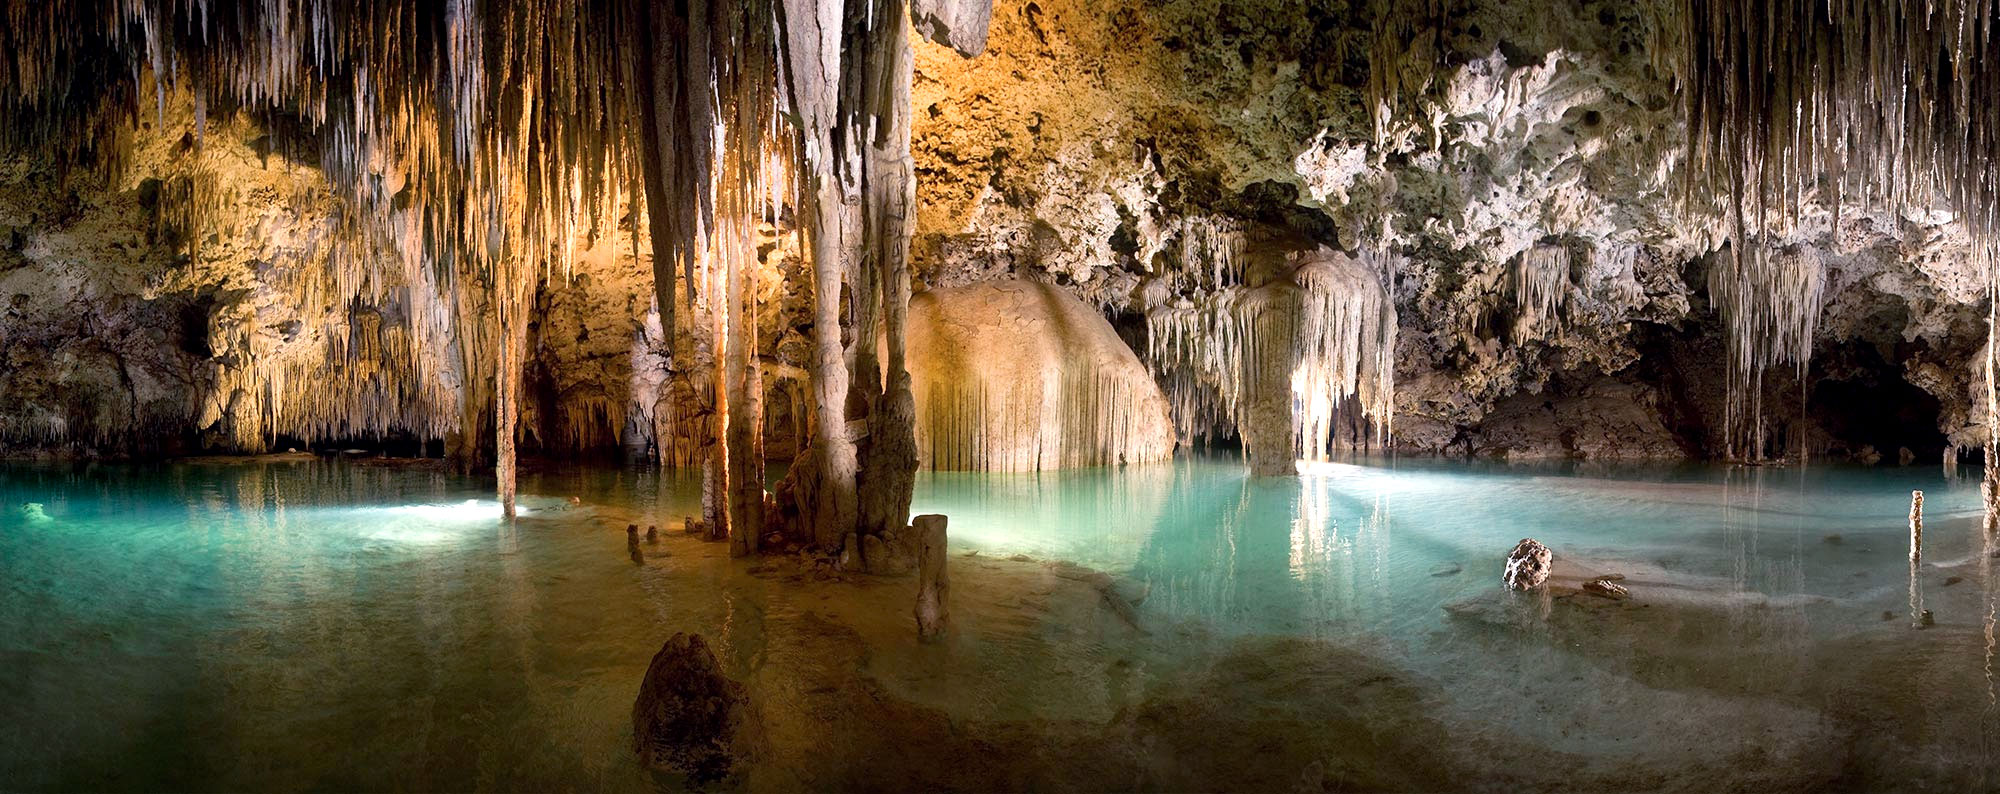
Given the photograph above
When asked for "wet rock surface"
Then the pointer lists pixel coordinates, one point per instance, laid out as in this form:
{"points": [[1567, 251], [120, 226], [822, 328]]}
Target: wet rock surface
{"points": [[1528, 565], [689, 718]]}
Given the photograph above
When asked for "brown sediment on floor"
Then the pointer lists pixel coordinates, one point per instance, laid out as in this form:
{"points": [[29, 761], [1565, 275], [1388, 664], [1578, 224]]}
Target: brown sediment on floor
{"points": [[1043, 685]]}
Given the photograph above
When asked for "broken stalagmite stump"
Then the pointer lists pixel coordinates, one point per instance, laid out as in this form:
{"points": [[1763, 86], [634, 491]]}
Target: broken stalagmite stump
{"points": [[1527, 565], [933, 587], [1916, 525], [690, 718]]}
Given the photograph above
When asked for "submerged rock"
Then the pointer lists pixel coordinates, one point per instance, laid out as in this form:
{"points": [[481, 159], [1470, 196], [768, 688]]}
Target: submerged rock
{"points": [[690, 718], [1604, 586], [1528, 565], [1448, 569]]}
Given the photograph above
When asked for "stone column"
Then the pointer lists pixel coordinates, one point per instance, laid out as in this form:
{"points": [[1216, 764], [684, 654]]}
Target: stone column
{"points": [[933, 586]]}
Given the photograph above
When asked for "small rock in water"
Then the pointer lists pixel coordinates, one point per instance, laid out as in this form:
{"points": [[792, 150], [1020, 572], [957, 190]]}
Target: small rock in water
{"points": [[638, 557], [1832, 540], [652, 534], [690, 718], [1603, 586], [691, 526], [1887, 615], [1925, 620], [1528, 565], [1952, 580], [1448, 569]]}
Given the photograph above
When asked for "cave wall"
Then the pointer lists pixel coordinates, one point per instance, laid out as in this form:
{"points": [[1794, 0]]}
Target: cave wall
{"points": [[1115, 150], [1096, 140]]}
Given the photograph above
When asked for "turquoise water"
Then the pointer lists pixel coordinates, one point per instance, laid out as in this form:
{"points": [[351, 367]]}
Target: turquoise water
{"points": [[320, 625]]}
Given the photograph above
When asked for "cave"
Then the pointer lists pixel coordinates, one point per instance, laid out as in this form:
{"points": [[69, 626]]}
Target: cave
{"points": [[998, 395]]}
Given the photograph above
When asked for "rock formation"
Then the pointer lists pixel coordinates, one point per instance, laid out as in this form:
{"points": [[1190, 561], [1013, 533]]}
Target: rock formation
{"points": [[689, 718], [207, 244], [933, 582], [1020, 376], [1528, 565]]}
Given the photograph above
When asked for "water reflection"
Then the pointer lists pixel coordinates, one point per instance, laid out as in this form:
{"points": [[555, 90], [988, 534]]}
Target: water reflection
{"points": [[327, 622]]}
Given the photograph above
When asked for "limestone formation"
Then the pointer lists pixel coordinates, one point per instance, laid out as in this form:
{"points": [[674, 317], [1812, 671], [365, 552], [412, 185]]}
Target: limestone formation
{"points": [[689, 718], [1528, 565], [1607, 588], [1916, 525], [1020, 376], [933, 583], [1590, 245]]}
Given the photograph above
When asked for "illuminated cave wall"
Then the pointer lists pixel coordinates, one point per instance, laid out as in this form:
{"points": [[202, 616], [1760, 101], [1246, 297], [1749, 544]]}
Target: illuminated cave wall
{"points": [[192, 300], [1517, 209], [1101, 145]]}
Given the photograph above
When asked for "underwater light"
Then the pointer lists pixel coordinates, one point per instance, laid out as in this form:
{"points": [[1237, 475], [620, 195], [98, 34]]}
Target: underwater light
{"points": [[468, 510]]}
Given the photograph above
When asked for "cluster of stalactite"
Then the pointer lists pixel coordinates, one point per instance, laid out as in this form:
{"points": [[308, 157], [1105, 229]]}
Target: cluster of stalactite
{"points": [[1541, 281], [1885, 103], [1296, 368], [1770, 306], [479, 145], [987, 426], [1022, 376]]}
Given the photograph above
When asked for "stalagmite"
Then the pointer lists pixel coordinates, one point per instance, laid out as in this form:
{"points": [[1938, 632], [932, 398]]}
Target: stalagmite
{"points": [[888, 462], [933, 584], [1916, 525], [508, 367]]}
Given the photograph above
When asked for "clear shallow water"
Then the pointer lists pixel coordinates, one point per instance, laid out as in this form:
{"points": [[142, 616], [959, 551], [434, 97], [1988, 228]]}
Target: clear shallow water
{"points": [[307, 625]]}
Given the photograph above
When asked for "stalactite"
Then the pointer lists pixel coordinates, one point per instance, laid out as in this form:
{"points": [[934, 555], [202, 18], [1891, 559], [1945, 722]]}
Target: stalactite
{"points": [[1880, 102], [1212, 251], [888, 460], [478, 144], [1541, 287], [1344, 353], [1770, 306], [1280, 365]]}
